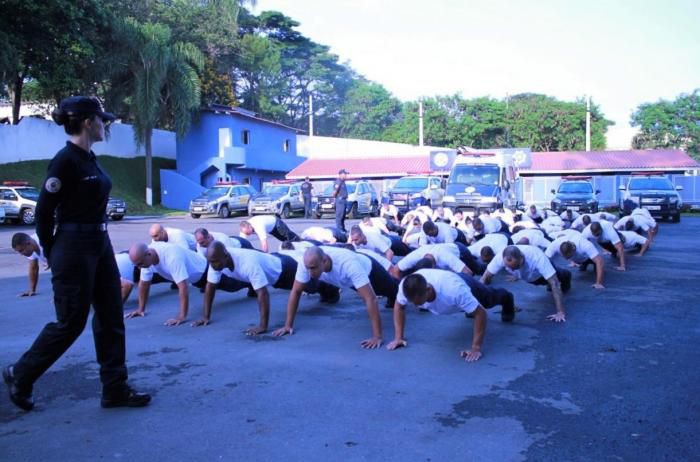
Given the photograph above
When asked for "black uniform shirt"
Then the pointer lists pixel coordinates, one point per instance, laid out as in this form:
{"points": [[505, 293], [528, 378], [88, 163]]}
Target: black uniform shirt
{"points": [[341, 189], [76, 189], [306, 189]]}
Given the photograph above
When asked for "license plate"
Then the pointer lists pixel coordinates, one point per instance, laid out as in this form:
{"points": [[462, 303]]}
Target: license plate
{"points": [[259, 208], [327, 206], [573, 209], [653, 207], [199, 209], [399, 202], [120, 209]]}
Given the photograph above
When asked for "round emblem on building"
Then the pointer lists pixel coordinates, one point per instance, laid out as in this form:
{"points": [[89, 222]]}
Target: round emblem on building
{"points": [[441, 159], [53, 185]]}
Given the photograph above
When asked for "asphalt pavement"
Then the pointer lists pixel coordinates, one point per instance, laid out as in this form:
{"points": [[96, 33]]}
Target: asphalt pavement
{"points": [[619, 381]]}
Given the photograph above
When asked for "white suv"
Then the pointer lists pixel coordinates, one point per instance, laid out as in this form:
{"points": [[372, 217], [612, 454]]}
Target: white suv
{"points": [[18, 200]]}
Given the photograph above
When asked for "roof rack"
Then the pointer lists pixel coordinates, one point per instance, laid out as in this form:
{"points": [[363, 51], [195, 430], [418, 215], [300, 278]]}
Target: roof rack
{"points": [[15, 183], [646, 173], [569, 178]]}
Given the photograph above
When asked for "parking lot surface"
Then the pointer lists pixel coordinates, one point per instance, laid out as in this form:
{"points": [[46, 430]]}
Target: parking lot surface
{"points": [[619, 381]]}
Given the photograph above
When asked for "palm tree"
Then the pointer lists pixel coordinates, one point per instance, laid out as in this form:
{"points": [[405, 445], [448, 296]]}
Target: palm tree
{"points": [[158, 79]]}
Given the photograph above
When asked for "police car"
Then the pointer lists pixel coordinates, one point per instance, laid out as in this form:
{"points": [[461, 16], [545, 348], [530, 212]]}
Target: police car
{"points": [[575, 193], [116, 208], [223, 199], [18, 200], [654, 192], [281, 198]]}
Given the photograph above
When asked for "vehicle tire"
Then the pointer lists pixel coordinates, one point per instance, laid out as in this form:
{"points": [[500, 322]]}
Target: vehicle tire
{"points": [[26, 217], [195, 215], [374, 210], [286, 211], [317, 216], [224, 212], [117, 217], [353, 213], [676, 218]]}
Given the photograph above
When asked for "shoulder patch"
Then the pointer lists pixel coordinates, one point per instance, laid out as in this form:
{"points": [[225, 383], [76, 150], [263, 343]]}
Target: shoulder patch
{"points": [[53, 185]]}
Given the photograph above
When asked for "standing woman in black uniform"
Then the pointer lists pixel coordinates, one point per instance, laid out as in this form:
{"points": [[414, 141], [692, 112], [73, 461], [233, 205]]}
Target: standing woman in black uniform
{"points": [[83, 268]]}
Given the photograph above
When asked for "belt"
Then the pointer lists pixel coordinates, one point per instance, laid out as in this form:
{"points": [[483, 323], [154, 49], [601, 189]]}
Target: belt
{"points": [[83, 227]]}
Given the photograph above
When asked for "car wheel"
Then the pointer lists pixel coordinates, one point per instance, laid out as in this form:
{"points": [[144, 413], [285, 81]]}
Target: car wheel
{"points": [[117, 217], [27, 217], [317, 216], [353, 213], [286, 211], [374, 210], [224, 212], [195, 215]]}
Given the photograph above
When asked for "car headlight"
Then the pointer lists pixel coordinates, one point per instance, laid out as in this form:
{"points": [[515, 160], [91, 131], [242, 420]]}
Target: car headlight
{"points": [[591, 201], [314, 200], [556, 200], [448, 199], [673, 200], [416, 196], [487, 200]]}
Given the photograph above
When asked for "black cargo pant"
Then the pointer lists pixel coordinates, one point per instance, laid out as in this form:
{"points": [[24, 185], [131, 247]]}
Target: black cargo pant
{"points": [[383, 283], [468, 259], [488, 297], [84, 272], [282, 232], [307, 206], [340, 204], [398, 247]]}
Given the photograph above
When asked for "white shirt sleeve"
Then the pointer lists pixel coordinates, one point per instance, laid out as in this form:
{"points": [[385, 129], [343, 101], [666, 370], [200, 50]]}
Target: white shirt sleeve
{"points": [[400, 297], [466, 301], [543, 265], [176, 266], [213, 276], [146, 274], [496, 264], [302, 274]]}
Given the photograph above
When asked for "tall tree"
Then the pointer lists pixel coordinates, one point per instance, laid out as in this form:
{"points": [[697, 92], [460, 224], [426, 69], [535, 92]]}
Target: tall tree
{"points": [[158, 82], [669, 124], [369, 109]]}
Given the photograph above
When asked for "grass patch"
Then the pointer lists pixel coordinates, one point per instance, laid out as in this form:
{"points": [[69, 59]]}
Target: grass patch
{"points": [[128, 179]]}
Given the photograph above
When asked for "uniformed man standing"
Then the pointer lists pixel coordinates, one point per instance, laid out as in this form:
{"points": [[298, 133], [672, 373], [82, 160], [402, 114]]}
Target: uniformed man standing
{"points": [[340, 192], [306, 188], [72, 230]]}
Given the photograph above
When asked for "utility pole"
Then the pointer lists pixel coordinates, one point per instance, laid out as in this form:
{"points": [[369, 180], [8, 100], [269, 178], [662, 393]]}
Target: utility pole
{"points": [[588, 123], [311, 115], [420, 123]]}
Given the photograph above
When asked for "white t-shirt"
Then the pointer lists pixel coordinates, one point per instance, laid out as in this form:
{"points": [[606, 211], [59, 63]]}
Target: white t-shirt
{"points": [[524, 224], [452, 294], [381, 259], [584, 248], [535, 264], [574, 215], [221, 237], [496, 241], [641, 211], [376, 242], [349, 269], [640, 221], [609, 234], [446, 215], [535, 237], [258, 268], [565, 233], [37, 256], [175, 264], [181, 238], [506, 216], [603, 216], [491, 224], [318, 233], [632, 239], [390, 211], [126, 268], [425, 210], [446, 257], [533, 216], [262, 225], [446, 235]]}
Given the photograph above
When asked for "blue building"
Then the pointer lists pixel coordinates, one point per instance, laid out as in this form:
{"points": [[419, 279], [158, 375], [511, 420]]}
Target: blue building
{"points": [[228, 144]]}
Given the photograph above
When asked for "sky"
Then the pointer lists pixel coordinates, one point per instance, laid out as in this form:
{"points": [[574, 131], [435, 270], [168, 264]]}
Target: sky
{"points": [[620, 52]]}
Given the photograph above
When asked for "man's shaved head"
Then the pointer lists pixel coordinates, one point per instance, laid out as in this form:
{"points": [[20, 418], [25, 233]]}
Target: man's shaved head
{"points": [[138, 254], [315, 261], [512, 257], [217, 256], [157, 232]]}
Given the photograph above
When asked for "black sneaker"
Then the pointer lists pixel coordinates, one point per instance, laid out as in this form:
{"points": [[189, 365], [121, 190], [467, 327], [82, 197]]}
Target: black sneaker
{"points": [[128, 398], [21, 398], [507, 315]]}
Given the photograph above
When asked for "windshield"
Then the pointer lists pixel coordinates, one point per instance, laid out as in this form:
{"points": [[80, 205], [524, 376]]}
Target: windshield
{"points": [[575, 188], [651, 183], [29, 193], [329, 190], [216, 191], [280, 190], [412, 183], [474, 174]]}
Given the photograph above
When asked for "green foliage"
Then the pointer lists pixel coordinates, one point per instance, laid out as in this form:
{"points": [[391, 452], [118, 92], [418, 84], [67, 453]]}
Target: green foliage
{"points": [[368, 110], [125, 185], [669, 124]]}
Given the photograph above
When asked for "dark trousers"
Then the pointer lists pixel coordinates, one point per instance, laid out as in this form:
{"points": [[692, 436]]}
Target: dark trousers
{"points": [[461, 237], [339, 235], [340, 214], [289, 271], [564, 276], [229, 284], [392, 226], [245, 243], [282, 232], [399, 247], [83, 273], [468, 259], [488, 297], [307, 206], [383, 283]]}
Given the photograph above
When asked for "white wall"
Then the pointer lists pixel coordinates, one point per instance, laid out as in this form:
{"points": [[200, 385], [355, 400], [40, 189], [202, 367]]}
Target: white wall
{"points": [[323, 147], [36, 138]]}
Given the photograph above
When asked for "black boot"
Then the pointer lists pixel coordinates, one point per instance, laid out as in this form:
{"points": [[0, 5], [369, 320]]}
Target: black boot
{"points": [[125, 398], [21, 397]]}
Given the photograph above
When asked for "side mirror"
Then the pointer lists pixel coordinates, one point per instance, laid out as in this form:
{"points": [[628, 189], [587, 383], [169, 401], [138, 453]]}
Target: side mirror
{"points": [[553, 191], [597, 191], [622, 187], [679, 188]]}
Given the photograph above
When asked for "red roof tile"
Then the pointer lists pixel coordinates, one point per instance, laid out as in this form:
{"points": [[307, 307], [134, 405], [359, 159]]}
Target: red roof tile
{"points": [[542, 162]]}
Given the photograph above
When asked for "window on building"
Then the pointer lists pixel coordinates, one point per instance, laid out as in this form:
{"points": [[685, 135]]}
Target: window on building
{"points": [[285, 145], [245, 136]]}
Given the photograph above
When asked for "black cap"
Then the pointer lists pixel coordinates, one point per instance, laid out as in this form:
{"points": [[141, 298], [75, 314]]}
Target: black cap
{"points": [[84, 105], [342, 170]]}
